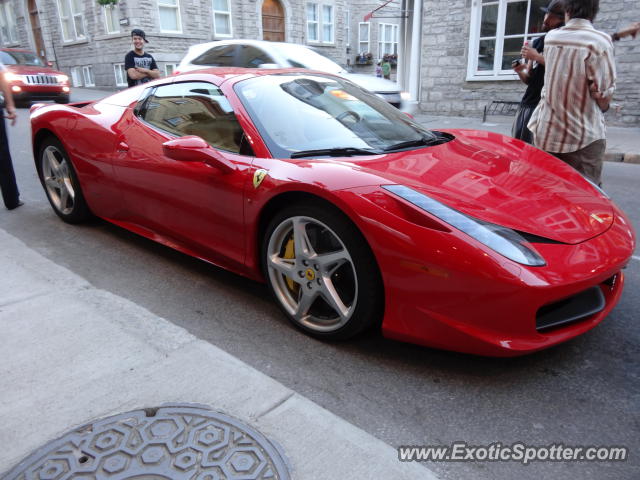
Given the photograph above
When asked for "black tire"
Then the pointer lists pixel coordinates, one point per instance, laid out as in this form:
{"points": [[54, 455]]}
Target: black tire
{"points": [[60, 182], [63, 99], [332, 290]]}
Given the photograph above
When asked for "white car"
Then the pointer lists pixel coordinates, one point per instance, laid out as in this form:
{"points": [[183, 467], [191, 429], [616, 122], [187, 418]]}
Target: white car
{"points": [[261, 54]]}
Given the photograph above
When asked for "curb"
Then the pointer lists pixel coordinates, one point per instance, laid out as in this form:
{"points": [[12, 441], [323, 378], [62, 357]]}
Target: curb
{"points": [[620, 157]]}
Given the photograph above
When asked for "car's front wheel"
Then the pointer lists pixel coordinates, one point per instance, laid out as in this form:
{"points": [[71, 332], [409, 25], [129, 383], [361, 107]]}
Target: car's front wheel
{"points": [[60, 182], [322, 272]]}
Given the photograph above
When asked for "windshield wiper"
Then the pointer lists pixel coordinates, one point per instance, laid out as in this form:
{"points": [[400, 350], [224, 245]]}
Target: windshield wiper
{"points": [[333, 152], [421, 142]]}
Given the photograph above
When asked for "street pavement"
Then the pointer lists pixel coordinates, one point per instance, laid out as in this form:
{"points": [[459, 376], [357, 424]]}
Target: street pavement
{"points": [[72, 351]]}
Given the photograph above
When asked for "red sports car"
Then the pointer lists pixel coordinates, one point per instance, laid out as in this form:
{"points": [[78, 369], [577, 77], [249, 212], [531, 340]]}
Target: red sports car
{"points": [[356, 216], [30, 79]]}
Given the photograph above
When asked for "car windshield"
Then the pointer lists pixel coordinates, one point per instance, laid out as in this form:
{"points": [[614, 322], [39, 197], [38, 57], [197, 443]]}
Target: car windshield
{"points": [[327, 116], [302, 57], [20, 58]]}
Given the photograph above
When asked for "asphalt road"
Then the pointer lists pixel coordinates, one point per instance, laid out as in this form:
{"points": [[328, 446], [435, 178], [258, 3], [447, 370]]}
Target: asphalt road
{"points": [[585, 392]]}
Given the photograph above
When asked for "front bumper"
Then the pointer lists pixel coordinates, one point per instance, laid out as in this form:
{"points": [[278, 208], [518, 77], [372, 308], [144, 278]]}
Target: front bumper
{"points": [[39, 92], [444, 290]]}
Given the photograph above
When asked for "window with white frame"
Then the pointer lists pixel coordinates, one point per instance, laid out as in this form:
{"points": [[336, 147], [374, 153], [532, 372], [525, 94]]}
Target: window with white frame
{"points": [[8, 30], [87, 76], [327, 23], [222, 18], [387, 40], [320, 23], [312, 23], [498, 30], [111, 18], [120, 74], [364, 30], [169, 11], [347, 29], [169, 68], [76, 76], [71, 13]]}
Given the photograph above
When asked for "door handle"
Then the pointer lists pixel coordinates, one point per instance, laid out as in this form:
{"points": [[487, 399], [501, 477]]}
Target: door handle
{"points": [[123, 147]]}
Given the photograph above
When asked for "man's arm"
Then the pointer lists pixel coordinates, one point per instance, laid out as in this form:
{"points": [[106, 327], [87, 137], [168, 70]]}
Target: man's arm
{"points": [[523, 70], [135, 73], [628, 31], [8, 100]]}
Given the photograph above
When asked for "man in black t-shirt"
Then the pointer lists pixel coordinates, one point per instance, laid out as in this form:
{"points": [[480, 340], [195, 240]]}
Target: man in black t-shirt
{"points": [[532, 72], [140, 66]]}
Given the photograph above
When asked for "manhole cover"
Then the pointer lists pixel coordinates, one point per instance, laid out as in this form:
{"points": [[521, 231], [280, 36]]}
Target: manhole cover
{"points": [[169, 443]]}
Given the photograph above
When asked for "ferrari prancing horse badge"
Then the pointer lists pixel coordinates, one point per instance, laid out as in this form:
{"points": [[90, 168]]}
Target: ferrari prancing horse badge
{"points": [[258, 177]]}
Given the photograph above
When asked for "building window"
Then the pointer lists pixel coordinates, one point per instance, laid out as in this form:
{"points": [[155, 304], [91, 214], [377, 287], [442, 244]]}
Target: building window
{"points": [[120, 74], [76, 76], [327, 24], [169, 68], [87, 76], [71, 14], [364, 29], [111, 18], [387, 40], [8, 30], [347, 29], [320, 23], [169, 11], [498, 30], [312, 22], [221, 18]]}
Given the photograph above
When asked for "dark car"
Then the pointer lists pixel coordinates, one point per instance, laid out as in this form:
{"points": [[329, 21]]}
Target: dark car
{"points": [[29, 78]]}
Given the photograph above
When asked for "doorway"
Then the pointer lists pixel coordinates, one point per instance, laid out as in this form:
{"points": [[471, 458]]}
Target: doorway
{"points": [[272, 21]]}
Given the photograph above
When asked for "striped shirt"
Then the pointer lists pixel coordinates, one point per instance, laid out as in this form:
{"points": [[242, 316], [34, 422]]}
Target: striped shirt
{"points": [[567, 119]]}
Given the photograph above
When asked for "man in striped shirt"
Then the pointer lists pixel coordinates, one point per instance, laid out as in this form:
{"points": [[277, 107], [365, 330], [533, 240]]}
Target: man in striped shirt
{"points": [[579, 82]]}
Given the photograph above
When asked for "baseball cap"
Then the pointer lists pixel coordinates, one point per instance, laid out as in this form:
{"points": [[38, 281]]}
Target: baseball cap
{"points": [[555, 7], [136, 32]]}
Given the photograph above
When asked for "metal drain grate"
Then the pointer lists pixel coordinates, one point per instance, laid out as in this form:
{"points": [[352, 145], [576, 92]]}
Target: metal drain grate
{"points": [[168, 443]]}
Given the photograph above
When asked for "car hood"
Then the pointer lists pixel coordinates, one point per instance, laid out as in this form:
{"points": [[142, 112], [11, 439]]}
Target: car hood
{"points": [[371, 83], [32, 70], [503, 181]]}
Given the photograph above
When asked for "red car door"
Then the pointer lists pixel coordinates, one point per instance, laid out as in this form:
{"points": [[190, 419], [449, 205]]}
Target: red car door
{"points": [[194, 200]]}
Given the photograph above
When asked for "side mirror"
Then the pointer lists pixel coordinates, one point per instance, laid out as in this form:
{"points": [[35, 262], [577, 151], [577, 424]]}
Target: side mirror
{"points": [[194, 149]]}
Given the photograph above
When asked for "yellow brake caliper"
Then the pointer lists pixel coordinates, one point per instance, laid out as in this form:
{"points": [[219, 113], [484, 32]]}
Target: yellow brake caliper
{"points": [[290, 252]]}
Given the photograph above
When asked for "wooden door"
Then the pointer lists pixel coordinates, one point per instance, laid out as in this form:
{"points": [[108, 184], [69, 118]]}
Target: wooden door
{"points": [[37, 30], [272, 21]]}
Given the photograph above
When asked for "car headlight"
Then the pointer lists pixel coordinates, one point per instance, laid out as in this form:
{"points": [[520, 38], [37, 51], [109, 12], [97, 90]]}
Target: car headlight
{"points": [[62, 78], [12, 77], [503, 240]]}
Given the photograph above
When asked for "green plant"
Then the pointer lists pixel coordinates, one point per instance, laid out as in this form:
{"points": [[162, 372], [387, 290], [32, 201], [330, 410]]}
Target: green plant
{"points": [[108, 2]]}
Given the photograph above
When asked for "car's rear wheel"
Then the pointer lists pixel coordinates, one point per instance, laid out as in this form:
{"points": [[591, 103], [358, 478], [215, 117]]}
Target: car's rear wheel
{"points": [[60, 182], [322, 272]]}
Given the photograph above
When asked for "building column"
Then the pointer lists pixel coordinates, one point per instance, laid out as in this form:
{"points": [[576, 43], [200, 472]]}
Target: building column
{"points": [[409, 72]]}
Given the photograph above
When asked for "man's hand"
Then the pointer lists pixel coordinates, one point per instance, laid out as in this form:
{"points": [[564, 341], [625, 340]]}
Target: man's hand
{"points": [[520, 67], [11, 115], [532, 54], [598, 96], [144, 71], [629, 31]]}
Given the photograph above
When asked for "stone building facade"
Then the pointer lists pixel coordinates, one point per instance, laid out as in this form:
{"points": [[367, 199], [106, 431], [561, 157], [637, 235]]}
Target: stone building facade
{"points": [[89, 41], [453, 51]]}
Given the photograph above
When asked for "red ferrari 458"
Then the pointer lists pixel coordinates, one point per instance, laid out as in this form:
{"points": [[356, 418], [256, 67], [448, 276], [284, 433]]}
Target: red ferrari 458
{"points": [[356, 216]]}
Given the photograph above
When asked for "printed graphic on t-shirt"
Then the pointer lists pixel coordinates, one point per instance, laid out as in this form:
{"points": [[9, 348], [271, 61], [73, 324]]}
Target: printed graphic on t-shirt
{"points": [[139, 61]]}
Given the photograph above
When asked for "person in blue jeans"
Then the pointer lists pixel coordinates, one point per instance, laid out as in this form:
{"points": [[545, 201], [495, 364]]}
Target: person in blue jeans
{"points": [[8, 185]]}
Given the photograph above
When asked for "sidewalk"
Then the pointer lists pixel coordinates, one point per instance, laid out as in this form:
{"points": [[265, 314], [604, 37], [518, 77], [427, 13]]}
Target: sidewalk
{"points": [[71, 354], [623, 143]]}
